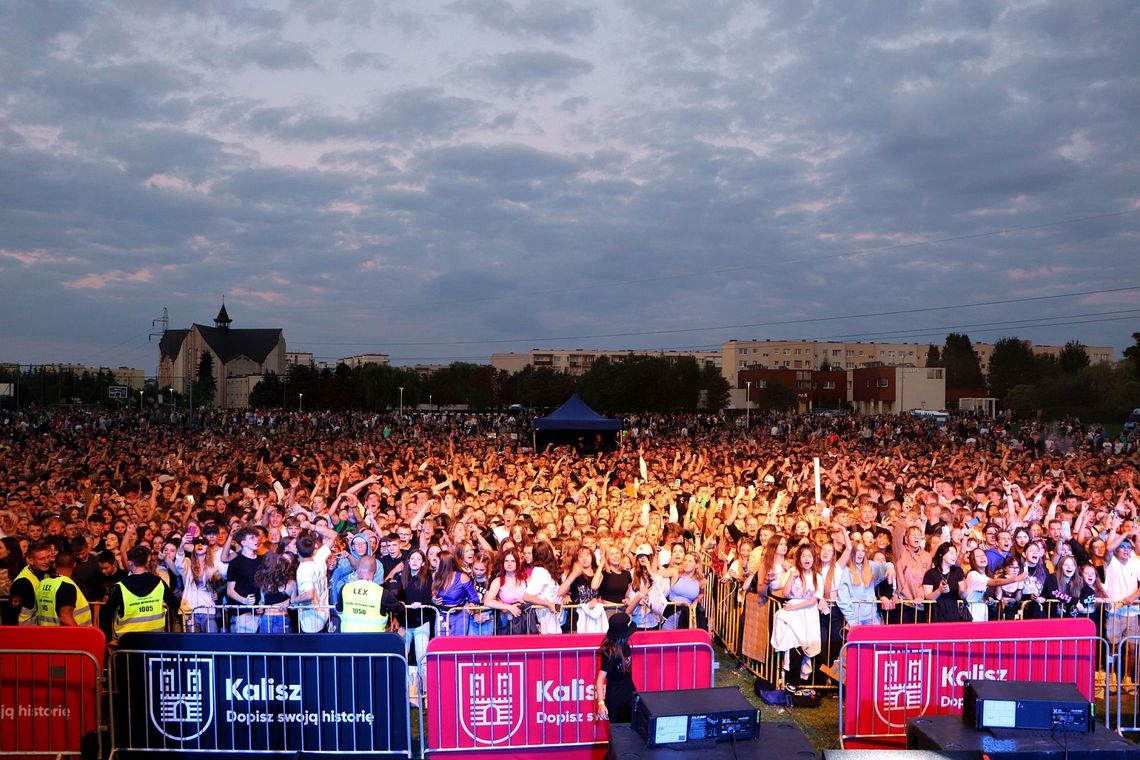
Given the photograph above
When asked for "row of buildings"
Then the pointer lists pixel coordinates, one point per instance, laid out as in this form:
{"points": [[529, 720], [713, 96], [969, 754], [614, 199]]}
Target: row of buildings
{"points": [[871, 377]]}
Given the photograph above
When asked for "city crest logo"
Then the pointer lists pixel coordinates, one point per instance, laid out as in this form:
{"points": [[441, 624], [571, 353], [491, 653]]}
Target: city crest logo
{"points": [[492, 696], [180, 695], [902, 688]]}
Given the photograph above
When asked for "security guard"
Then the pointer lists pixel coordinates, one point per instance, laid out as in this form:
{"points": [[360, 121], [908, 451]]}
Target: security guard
{"points": [[59, 601], [22, 596], [140, 602], [364, 604]]}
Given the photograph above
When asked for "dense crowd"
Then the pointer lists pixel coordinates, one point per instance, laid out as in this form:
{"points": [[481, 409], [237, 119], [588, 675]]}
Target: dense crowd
{"points": [[448, 524]]}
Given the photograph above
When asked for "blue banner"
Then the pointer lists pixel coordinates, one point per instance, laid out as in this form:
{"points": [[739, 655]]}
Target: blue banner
{"points": [[202, 692]]}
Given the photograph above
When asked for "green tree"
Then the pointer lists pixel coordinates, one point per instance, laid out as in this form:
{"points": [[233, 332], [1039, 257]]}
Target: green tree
{"points": [[1132, 354], [716, 388], [933, 356], [961, 363], [777, 397], [1073, 358], [1011, 364], [269, 393], [204, 386]]}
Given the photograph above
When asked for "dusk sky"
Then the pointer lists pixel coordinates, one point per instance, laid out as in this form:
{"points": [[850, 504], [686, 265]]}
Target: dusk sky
{"points": [[444, 180]]}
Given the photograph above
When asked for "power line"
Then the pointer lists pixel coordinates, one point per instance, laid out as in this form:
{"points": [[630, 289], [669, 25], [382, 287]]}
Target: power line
{"points": [[771, 323], [984, 327], [828, 257]]}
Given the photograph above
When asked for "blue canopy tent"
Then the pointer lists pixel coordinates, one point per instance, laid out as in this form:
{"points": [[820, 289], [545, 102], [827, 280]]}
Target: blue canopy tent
{"points": [[577, 424]]}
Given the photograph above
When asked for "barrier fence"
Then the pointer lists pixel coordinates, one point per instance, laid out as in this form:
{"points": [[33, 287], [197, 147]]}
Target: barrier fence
{"points": [[321, 695], [507, 695], [742, 623], [891, 674], [50, 693]]}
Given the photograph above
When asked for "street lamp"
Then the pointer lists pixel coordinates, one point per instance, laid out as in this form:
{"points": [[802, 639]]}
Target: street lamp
{"points": [[172, 397], [300, 402], [401, 401], [748, 405], [429, 402], [140, 402]]}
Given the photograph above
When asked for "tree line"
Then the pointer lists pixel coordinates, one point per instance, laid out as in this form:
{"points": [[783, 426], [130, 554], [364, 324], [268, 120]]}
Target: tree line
{"points": [[1057, 386], [634, 383]]}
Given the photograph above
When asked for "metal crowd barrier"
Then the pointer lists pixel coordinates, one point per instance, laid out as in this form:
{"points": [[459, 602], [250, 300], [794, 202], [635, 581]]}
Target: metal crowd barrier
{"points": [[48, 699], [1047, 659], [1122, 682], [460, 621], [256, 618], [539, 693], [202, 701]]}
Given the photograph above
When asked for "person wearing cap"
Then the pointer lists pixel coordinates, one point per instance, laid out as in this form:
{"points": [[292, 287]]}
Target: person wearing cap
{"points": [[1122, 583], [614, 687], [645, 601]]}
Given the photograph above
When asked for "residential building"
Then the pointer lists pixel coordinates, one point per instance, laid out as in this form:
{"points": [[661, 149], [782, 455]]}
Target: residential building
{"points": [[361, 359], [892, 390], [300, 359], [578, 361], [1096, 354], [241, 357], [815, 389]]}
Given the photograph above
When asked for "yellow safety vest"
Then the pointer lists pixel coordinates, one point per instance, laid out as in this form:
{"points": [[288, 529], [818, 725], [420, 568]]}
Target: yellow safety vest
{"points": [[28, 617], [141, 613], [46, 602], [362, 602]]}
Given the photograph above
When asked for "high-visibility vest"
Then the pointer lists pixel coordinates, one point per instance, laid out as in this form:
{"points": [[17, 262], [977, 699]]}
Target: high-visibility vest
{"points": [[141, 613], [28, 617], [362, 602], [46, 613]]}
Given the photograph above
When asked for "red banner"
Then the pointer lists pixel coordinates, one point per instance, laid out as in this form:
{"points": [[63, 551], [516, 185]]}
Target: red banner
{"points": [[49, 687], [896, 672], [497, 695]]}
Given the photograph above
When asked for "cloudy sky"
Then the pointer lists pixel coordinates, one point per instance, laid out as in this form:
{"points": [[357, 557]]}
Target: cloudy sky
{"points": [[442, 180]]}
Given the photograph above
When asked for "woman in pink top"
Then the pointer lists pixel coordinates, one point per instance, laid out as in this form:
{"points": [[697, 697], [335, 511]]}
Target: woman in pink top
{"points": [[506, 593]]}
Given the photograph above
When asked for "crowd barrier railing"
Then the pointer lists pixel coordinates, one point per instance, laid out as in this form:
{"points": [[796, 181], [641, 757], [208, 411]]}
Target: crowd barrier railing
{"points": [[889, 676], [260, 618], [50, 691], [465, 621], [517, 695], [231, 693]]}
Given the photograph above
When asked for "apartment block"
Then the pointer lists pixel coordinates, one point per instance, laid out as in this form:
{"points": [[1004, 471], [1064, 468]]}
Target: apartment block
{"points": [[578, 361]]}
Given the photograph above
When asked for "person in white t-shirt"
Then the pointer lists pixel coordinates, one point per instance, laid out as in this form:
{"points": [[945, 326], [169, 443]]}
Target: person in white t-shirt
{"points": [[1122, 584], [312, 585]]}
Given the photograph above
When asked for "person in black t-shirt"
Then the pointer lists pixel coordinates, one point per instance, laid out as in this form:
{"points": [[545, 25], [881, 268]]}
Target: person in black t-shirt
{"points": [[945, 583], [241, 587], [614, 686]]}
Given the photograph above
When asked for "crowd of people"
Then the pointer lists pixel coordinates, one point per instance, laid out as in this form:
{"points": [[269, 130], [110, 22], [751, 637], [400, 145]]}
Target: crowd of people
{"points": [[448, 524]]}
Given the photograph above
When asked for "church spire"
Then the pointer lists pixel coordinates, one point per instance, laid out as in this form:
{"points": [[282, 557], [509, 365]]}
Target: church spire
{"points": [[223, 319]]}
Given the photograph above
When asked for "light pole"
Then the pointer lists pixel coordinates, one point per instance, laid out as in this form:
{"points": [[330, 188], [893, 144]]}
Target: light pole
{"points": [[429, 402], [300, 402], [172, 403], [140, 402], [748, 405], [401, 401]]}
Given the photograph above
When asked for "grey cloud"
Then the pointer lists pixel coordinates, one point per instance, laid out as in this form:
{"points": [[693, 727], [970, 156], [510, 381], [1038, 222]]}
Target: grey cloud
{"points": [[411, 114], [68, 92], [573, 105], [555, 20], [497, 163], [195, 157], [273, 54], [502, 121], [532, 71], [360, 59]]}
